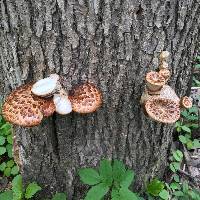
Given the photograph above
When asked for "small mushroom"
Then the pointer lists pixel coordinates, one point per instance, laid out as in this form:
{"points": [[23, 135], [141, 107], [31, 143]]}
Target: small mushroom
{"points": [[186, 102], [165, 73], [164, 55], [154, 81], [85, 98], [62, 103], [47, 86], [163, 110], [25, 109]]}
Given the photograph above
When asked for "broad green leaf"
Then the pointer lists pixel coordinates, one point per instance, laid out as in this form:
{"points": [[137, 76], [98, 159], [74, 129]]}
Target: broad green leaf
{"points": [[5, 129], [175, 186], [2, 166], [31, 190], [97, 192], [115, 194], [89, 176], [189, 144], [7, 171], [171, 166], [10, 139], [105, 171], [17, 187], [60, 196], [176, 165], [2, 150], [183, 139], [2, 140], [127, 180], [164, 194], [155, 187], [9, 150], [186, 129], [176, 178], [196, 144], [176, 156], [185, 187], [126, 194], [7, 195], [178, 193], [10, 163], [15, 170], [118, 171]]}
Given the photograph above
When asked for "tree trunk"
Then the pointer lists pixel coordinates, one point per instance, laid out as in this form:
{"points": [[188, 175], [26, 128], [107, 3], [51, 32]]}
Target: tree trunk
{"points": [[112, 44]]}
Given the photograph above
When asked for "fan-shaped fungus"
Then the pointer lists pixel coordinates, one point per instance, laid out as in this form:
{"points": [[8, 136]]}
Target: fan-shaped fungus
{"points": [[165, 73], [163, 110], [85, 98], [186, 102], [25, 109]]}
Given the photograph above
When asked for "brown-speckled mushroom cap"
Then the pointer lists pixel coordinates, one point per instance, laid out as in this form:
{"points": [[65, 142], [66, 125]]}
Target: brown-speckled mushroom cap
{"points": [[186, 102], [25, 109], [163, 110], [165, 73], [155, 81], [85, 98]]}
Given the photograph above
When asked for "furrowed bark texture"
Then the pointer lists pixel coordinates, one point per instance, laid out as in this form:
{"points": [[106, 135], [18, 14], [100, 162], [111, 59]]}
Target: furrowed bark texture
{"points": [[112, 44]]}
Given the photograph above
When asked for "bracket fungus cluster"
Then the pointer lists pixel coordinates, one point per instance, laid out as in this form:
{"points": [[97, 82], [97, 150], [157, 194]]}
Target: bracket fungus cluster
{"points": [[28, 104], [159, 100]]}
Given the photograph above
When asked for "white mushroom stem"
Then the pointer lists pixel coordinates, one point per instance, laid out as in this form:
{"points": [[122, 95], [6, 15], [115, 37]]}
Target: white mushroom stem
{"points": [[62, 103], [47, 86]]}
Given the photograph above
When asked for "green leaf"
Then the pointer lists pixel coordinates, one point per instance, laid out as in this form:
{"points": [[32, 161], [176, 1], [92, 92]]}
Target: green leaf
{"points": [[9, 150], [118, 171], [155, 187], [15, 170], [89, 176], [175, 186], [196, 144], [189, 144], [164, 194], [17, 187], [186, 129], [128, 178], [115, 194], [126, 194], [7, 195], [176, 178], [2, 140], [59, 196], [7, 171], [183, 139], [97, 192], [176, 165], [31, 190], [171, 166], [2, 150], [5, 129], [177, 156], [178, 193], [2, 166], [10, 139], [185, 187], [105, 171], [10, 163]]}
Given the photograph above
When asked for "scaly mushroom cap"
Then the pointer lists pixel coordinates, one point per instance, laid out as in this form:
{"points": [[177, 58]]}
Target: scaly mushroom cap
{"points": [[47, 86], [154, 81], [85, 98], [165, 73], [25, 109], [163, 110], [186, 102]]}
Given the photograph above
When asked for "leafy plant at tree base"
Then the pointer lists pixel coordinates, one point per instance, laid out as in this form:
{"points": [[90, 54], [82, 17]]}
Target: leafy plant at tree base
{"points": [[111, 178], [18, 192]]}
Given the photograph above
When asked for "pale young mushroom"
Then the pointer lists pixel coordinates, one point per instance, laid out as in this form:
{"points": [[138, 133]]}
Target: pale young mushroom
{"points": [[47, 86], [25, 109], [85, 98], [154, 81], [186, 102], [164, 55], [62, 103], [163, 110]]}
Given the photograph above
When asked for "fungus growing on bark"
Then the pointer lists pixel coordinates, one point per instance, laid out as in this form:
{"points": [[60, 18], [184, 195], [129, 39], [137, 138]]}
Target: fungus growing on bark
{"points": [[165, 73], [163, 110], [47, 86], [85, 98], [62, 103], [154, 81], [186, 102], [164, 55], [25, 109]]}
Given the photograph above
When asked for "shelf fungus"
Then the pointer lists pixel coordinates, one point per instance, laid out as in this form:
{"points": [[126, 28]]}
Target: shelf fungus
{"points": [[25, 109], [160, 102], [85, 98]]}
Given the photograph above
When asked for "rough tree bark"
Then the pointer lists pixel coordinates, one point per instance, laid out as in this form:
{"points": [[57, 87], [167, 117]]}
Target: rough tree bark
{"points": [[113, 44]]}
